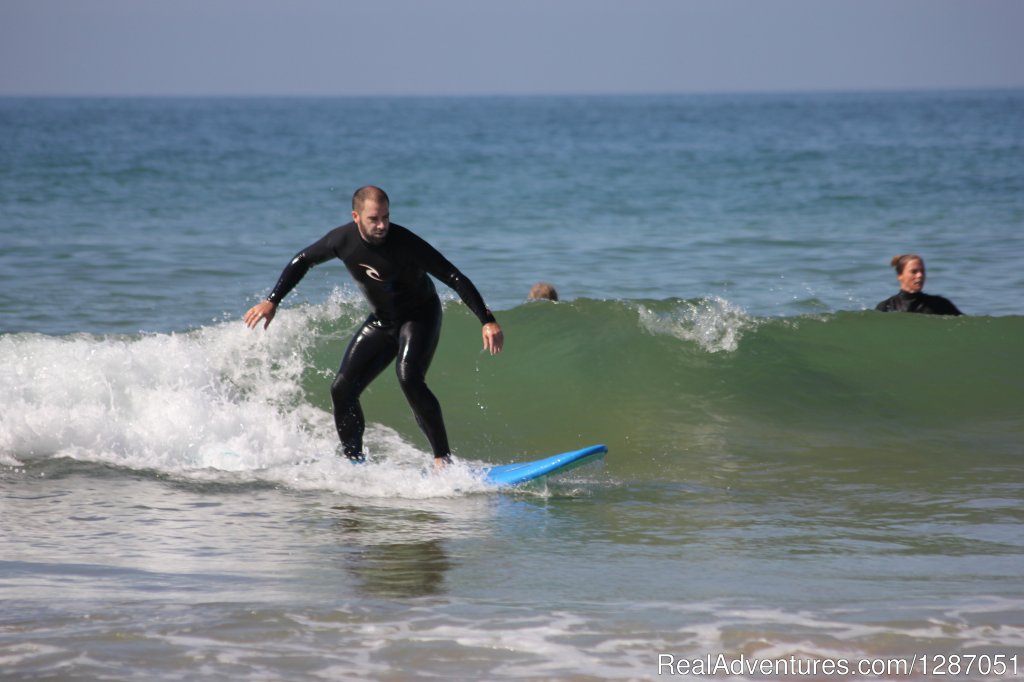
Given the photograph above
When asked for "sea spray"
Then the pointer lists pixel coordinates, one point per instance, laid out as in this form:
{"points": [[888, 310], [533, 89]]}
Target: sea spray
{"points": [[713, 323]]}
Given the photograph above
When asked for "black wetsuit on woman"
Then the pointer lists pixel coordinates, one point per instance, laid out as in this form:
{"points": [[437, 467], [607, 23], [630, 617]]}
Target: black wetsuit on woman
{"points": [[905, 302], [405, 322]]}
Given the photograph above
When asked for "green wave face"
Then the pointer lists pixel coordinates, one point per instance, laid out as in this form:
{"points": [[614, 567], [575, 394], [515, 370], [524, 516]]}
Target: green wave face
{"points": [[657, 379]]}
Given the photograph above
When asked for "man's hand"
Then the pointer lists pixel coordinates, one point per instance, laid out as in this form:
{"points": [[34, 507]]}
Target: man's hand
{"points": [[493, 338], [264, 310]]}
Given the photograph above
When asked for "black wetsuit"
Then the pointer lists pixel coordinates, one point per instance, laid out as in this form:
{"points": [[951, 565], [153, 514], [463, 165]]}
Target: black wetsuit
{"points": [[905, 302], [406, 322]]}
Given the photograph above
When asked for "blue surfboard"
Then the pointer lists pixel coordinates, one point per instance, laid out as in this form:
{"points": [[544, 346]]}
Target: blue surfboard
{"points": [[520, 472]]}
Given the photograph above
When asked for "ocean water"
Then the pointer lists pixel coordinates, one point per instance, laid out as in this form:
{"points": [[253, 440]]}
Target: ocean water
{"points": [[793, 479]]}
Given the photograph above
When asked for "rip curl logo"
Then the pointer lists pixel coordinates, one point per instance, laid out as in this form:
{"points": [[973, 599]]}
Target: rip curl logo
{"points": [[371, 272]]}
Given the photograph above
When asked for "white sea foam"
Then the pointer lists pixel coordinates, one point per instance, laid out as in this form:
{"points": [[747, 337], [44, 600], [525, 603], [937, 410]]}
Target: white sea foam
{"points": [[713, 323], [223, 399], [479, 640]]}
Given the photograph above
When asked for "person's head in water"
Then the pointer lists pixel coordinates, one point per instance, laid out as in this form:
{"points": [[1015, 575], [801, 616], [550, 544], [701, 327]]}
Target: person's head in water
{"points": [[911, 298], [542, 291], [910, 272], [371, 212]]}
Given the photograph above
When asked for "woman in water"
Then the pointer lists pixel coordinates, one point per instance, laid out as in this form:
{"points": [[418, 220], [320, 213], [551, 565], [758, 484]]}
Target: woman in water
{"points": [[911, 299]]}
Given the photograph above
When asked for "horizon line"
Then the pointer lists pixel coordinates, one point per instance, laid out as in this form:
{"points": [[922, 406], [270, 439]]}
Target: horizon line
{"points": [[523, 94]]}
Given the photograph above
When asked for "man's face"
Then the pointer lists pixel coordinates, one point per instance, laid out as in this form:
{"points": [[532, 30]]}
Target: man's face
{"points": [[912, 278], [373, 221]]}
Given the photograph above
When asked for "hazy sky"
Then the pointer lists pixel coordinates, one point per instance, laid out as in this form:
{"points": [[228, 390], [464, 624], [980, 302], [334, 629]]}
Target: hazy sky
{"points": [[341, 47]]}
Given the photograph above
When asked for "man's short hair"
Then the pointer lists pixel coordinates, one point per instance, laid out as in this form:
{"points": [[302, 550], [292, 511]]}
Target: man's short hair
{"points": [[368, 193]]}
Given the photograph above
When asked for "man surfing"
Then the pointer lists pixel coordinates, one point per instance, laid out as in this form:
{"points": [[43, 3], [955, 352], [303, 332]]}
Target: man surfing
{"points": [[391, 265]]}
